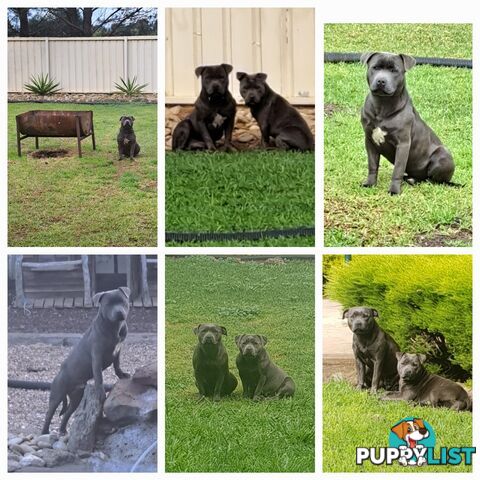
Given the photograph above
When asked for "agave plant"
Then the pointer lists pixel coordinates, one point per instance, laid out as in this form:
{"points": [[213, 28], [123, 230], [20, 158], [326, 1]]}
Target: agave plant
{"points": [[130, 87], [42, 85]]}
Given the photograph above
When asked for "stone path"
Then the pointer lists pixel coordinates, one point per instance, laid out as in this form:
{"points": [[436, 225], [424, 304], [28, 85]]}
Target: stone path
{"points": [[337, 344]]}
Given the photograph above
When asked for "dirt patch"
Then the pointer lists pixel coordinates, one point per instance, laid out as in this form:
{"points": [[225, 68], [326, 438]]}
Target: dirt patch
{"points": [[338, 368], [85, 98], [50, 153], [73, 320], [442, 239], [246, 135], [330, 108]]}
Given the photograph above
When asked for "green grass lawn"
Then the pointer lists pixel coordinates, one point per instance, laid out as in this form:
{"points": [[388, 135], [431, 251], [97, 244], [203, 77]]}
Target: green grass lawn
{"points": [[95, 200], [356, 419], [423, 215], [236, 192], [237, 435]]}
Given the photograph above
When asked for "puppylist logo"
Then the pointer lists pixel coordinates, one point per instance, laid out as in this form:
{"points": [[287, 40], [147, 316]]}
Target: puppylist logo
{"points": [[411, 442]]}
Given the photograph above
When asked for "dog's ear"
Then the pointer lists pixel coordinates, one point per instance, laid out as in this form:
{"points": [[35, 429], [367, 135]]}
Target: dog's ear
{"points": [[365, 57], [422, 357], [195, 330], [125, 290], [374, 312], [241, 75], [408, 61], [228, 68], [345, 312], [263, 338], [400, 430], [122, 117], [97, 298], [399, 355], [224, 331], [238, 339], [199, 71], [261, 76], [419, 422], [133, 118]]}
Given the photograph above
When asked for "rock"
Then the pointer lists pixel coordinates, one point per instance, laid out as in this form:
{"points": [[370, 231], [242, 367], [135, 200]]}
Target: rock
{"points": [[14, 457], [146, 375], [44, 445], [130, 402], [54, 458], [100, 455], [30, 460], [82, 430], [60, 445], [175, 110], [13, 466], [15, 441], [245, 137], [22, 449], [83, 454]]}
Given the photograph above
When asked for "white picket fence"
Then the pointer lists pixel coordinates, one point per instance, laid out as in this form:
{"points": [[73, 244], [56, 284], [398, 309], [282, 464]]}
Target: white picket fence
{"points": [[276, 41], [83, 65]]}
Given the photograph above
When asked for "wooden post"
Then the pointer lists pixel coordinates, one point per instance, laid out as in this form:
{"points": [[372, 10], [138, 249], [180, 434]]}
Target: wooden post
{"points": [[36, 143], [19, 142], [93, 130], [19, 293], [87, 291], [144, 280], [79, 140]]}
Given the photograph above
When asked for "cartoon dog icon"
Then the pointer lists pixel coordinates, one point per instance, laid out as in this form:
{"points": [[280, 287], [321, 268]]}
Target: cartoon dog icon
{"points": [[411, 432]]}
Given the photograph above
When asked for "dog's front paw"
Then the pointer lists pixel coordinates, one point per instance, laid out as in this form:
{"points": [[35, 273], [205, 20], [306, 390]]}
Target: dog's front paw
{"points": [[123, 375], [216, 398], [369, 182], [394, 189], [102, 396]]}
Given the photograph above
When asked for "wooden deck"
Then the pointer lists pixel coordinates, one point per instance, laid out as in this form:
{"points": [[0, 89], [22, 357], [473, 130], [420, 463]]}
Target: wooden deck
{"points": [[78, 302]]}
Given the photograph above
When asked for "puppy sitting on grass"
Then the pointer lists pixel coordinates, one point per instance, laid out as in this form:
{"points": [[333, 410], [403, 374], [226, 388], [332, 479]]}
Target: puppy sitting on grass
{"points": [[126, 138]]}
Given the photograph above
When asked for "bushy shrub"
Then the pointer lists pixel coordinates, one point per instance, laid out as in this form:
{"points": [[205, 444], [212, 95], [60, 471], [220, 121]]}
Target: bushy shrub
{"points": [[328, 262], [424, 302]]}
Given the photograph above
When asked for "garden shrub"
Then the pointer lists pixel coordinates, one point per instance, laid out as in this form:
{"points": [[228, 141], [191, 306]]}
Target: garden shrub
{"points": [[423, 301]]}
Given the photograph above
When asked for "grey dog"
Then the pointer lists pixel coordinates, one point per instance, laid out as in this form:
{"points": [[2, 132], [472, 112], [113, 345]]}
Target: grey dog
{"points": [[260, 376], [213, 114], [276, 118], [419, 386], [394, 129], [97, 349], [374, 350], [126, 138]]}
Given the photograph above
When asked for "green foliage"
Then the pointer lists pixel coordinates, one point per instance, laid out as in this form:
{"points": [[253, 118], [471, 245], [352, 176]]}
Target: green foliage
{"points": [[330, 261], [225, 192], [417, 297], [42, 85], [366, 422], [130, 86], [238, 435]]}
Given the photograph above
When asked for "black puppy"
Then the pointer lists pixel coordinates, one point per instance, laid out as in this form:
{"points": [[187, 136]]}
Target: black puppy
{"points": [[210, 363], [260, 376], [394, 129], [275, 116], [374, 350], [98, 349], [126, 138], [213, 115]]}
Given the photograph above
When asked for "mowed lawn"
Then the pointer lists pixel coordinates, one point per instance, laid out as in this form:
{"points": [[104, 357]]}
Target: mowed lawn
{"points": [[365, 421], [235, 192], [95, 200], [425, 214], [235, 434]]}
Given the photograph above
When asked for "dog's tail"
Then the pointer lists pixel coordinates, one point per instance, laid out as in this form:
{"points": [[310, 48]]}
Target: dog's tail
{"points": [[454, 184], [64, 406]]}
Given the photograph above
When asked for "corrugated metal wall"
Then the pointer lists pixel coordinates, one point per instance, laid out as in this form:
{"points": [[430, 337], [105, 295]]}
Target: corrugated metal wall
{"points": [[276, 41], [83, 65]]}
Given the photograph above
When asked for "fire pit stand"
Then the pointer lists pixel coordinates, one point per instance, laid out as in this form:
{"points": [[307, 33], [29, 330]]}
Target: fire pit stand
{"points": [[55, 123]]}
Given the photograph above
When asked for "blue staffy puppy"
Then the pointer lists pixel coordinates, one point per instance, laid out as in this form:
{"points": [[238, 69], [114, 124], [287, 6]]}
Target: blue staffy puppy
{"points": [[97, 350], [210, 363], [260, 376]]}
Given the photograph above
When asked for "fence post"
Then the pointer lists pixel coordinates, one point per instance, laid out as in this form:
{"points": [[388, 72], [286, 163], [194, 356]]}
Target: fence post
{"points": [[47, 56], [125, 58]]}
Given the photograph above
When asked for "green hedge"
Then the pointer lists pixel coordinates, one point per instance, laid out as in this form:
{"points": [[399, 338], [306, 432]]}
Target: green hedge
{"points": [[424, 301]]}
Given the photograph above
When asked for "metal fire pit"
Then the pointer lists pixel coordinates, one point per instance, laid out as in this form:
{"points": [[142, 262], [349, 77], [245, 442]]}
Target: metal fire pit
{"points": [[55, 123]]}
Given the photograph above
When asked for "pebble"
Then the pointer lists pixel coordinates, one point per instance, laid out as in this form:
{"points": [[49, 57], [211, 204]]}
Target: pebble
{"points": [[30, 460]]}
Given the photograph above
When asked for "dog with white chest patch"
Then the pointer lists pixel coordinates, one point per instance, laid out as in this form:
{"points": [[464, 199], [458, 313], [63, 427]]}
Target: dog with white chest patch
{"points": [[394, 129], [411, 432]]}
